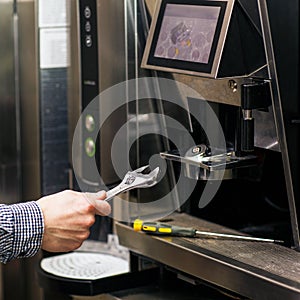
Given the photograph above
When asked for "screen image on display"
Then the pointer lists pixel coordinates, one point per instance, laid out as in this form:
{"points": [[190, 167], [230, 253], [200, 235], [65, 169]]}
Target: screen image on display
{"points": [[187, 36], [187, 32]]}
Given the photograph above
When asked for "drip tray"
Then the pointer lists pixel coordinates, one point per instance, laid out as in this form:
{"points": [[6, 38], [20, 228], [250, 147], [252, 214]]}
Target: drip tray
{"points": [[252, 269], [93, 269], [84, 265]]}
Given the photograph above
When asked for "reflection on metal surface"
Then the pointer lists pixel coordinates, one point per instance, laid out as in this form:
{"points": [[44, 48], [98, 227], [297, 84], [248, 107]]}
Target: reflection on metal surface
{"points": [[9, 140], [29, 99], [9, 181], [213, 90], [17, 29], [145, 147], [265, 132]]}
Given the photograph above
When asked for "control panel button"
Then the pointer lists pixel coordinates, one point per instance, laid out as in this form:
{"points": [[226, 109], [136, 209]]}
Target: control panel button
{"points": [[90, 147], [88, 40], [90, 123], [87, 26], [87, 12]]}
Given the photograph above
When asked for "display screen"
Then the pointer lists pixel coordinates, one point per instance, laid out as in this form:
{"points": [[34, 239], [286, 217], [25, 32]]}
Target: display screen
{"points": [[185, 36], [187, 32]]}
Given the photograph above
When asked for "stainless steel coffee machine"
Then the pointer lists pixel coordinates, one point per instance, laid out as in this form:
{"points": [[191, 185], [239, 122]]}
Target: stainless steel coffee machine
{"points": [[234, 55], [231, 53], [221, 79]]}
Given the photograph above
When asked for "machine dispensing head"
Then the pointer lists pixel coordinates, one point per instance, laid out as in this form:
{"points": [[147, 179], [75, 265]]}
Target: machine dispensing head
{"points": [[201, 164]]}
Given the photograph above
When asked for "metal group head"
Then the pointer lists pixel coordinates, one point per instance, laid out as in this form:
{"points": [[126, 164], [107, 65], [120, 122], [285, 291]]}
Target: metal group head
{"points": [[139, 178]]}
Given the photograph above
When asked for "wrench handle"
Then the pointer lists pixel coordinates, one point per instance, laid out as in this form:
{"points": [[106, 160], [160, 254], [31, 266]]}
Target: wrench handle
{"points": [[114, 192]]}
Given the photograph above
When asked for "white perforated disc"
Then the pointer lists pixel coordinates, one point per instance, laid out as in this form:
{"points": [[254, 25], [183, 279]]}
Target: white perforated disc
{"points": [[82, 265]]}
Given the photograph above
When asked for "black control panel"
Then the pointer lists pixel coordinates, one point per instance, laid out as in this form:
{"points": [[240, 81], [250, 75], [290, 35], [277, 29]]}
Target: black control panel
{"points": [[89, 88]]}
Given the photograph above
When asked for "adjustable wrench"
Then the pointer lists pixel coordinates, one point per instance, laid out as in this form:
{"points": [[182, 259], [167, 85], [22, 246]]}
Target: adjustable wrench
{"points": [[134, 179]]}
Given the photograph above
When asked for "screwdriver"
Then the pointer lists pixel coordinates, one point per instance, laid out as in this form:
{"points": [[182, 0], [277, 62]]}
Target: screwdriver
{"points": [[163, 229]]}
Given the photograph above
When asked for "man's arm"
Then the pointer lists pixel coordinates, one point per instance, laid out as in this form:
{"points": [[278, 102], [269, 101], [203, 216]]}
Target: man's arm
{"points": [[56, 223], [21, 230]]}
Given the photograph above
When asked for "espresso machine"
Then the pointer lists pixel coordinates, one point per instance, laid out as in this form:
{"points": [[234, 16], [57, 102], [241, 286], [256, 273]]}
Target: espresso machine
{"points": [[232, 53], [207, 91]]}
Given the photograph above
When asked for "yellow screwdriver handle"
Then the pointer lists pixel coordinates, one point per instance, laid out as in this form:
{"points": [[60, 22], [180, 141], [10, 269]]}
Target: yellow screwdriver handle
{"points": [[158, 228]]}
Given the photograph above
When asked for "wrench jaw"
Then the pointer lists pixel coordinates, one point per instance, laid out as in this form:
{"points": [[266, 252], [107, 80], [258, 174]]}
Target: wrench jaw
{"points": [[152, 176], [141, 169], [134, 179], [144, 180]]}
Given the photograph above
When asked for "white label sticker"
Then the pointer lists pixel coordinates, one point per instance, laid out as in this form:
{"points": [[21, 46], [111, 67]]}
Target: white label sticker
{"points": [[54, 13], [54, 48]]}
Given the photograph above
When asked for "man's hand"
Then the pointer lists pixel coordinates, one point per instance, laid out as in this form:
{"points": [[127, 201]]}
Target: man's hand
{"points": [[68, 215]]}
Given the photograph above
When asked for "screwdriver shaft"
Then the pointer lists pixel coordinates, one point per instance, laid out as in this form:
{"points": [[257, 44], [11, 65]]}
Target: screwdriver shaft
{"points": [[208, 234]]}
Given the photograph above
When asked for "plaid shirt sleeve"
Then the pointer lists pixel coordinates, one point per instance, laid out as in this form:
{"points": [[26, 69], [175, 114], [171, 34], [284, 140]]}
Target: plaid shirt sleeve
{"points": [[21, 230]]}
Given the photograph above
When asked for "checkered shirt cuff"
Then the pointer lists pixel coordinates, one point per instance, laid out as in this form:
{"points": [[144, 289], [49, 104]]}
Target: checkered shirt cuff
{"points": [[21, 230]]}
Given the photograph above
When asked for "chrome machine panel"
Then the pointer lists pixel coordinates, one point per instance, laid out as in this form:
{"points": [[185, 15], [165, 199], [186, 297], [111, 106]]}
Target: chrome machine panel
{"points": [[10, 106], [19, 136]]}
